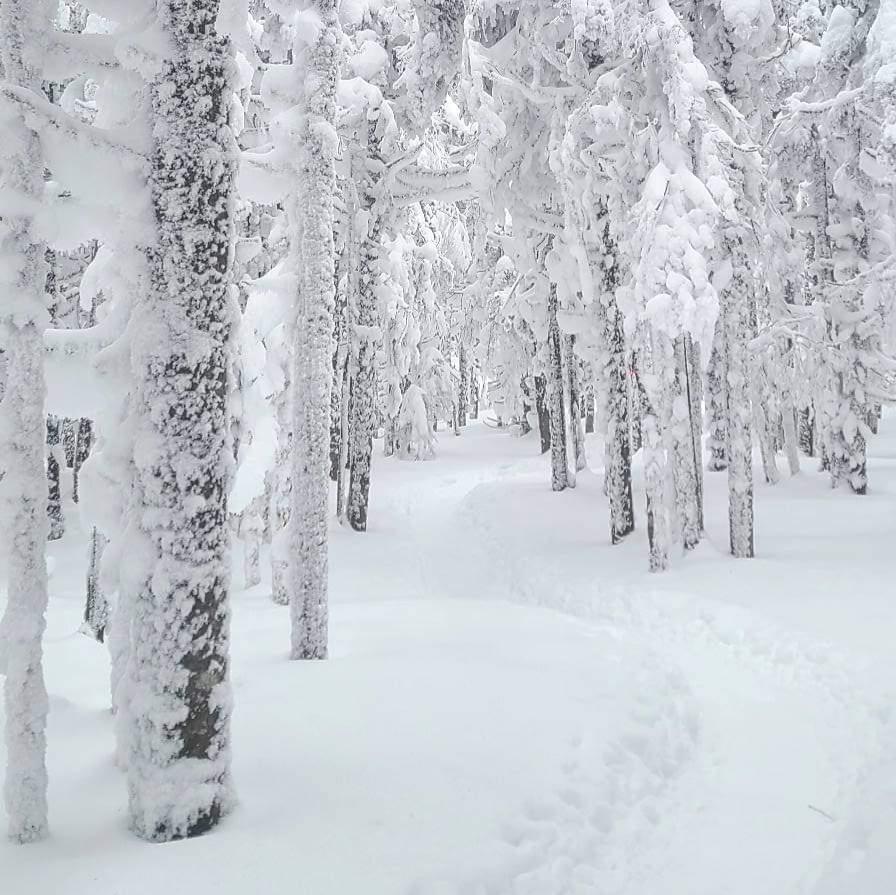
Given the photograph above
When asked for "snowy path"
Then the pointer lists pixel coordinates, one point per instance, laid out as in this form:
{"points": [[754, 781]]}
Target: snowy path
{"points": [[513, 707], [783, 724]]}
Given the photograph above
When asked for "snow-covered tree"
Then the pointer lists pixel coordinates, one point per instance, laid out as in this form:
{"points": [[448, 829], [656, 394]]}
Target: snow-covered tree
{"points": [[178, 696], [24, 27], [312, 215]]}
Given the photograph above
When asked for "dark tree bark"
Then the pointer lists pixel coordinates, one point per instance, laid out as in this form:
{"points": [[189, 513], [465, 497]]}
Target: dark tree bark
{"points": [[83, 443], [363, 404], [179, 725], [619, 453], [463, 386], [807, 438], [559, 466], [54, 489], [544, 417], [589, 402], [96, 608]]}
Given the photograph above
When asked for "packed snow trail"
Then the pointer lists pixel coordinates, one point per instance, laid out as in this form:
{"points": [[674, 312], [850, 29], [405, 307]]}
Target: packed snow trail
{"points": [[788, 722], [513, 707]]}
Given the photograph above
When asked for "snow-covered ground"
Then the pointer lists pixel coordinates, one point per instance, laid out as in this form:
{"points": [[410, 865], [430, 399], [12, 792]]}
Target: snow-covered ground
{"points": [[513, 706]]}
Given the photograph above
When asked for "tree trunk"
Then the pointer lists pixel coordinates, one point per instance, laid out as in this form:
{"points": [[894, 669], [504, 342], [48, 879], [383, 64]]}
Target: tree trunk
{"points": [[23, 430], [807, 437], [178, 691], [544, 416], [715, 405], [576, 433], [655, 473], [344, 440], [555, 391], [280, 509], [340, 357], [313, 380], [525, 425], [83, 443], [96, 607], [463, 386], [589, 402], [363, 404], [686, 446], [474, 393], [54, 483], [735, 313], [618, 465]]}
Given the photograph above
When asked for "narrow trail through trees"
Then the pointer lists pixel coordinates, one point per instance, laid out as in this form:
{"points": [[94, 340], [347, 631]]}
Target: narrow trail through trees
{"points": [[759, 767]]}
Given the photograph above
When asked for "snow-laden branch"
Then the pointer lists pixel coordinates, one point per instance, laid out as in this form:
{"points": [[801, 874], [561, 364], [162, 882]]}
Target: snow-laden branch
{"points": [[132, 148], [69, 55], [414, 184]]}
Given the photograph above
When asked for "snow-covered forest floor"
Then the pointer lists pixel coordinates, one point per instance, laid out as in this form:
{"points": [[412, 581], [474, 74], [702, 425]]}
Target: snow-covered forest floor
{"points": [[514, 706]]}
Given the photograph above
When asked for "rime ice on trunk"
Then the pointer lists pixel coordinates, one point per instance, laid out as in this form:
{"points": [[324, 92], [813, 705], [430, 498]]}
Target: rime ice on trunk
{"points": [[83, 443], [588, 398], [96, 607], [313, 377], [22, 25], [735, 322], [544, 416], [177, 706], [54, 485], [686, 446], [463, 387], [280, 495], [343, 282], [362, 414], [555, 395], [715, 406], [655, 474], [618, 478], [474, 393], [576, 434], [806, 435], [25, 786], [791, 440]]}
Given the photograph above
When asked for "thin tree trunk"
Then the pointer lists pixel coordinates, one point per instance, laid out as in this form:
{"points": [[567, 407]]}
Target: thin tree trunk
{"points": [[474, 393], [96, 607], [313, 360], [694, 382], [83, 443], [544, 417], [656, 486], [765, 438], [463, 386], [281, 498], [555, 390], [685, 453], [791, 441], [577, 432], [735, 313], [344, 282], [363, 404], [715, 406], [807, 437], [344, 441], [589, 402], [525, 425], [618, 465], [54, 484]]}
